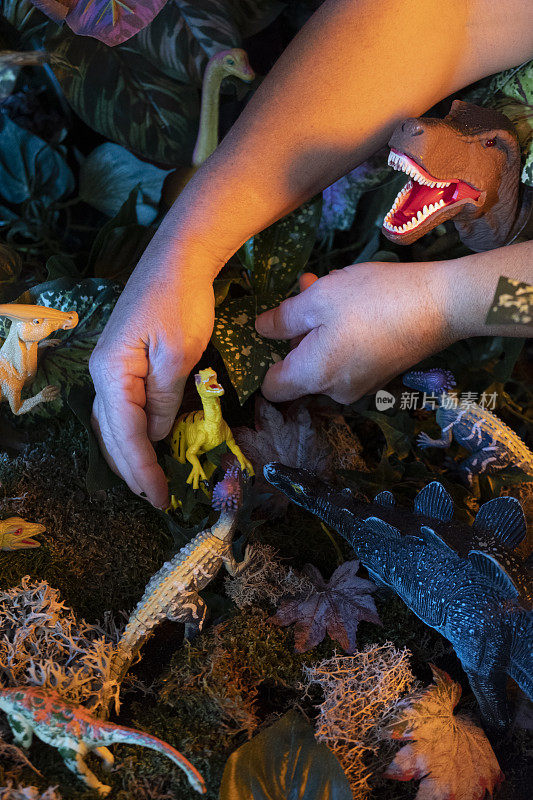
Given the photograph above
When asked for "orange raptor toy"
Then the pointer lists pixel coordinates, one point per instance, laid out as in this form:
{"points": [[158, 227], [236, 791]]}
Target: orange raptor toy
{"points": [[18, 354]]}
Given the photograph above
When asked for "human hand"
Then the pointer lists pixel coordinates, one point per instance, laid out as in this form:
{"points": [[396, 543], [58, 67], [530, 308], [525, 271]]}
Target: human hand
{"points": [[358, 327], [154, 337]]}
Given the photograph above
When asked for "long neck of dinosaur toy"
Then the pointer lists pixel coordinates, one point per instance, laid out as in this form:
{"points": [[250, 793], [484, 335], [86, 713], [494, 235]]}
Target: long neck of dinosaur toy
{"points": [[212, 410], [224, 527], [22, 355], [207, 140]]}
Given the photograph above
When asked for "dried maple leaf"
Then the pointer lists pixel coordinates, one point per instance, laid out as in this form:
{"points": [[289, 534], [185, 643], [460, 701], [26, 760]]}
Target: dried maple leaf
{"points": [[292, 440], [448, 752], [336, 607]]}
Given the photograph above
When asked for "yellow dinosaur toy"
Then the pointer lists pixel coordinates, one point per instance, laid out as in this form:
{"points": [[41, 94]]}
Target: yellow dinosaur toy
{"points": [[18, 354], [16, 533], [200, 431]]}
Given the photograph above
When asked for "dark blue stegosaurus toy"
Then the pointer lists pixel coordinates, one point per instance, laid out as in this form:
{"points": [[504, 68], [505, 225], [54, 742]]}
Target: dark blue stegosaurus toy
{"points": [[464, 581]]}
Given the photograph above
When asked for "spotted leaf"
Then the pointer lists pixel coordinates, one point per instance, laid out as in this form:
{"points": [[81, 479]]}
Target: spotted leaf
{"points": [[246, 355], [512, 304], [276, 256]]}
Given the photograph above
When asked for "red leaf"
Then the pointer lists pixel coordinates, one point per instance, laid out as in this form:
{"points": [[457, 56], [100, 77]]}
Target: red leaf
{"points": [[447, 752], [110, 21], [336, 607], [292, 440]]}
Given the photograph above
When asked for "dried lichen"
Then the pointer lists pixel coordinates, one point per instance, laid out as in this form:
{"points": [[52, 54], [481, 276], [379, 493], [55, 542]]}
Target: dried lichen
{"points": [[338, 439], [266, 580], [360, 692], [42, 643], [9, 792]]}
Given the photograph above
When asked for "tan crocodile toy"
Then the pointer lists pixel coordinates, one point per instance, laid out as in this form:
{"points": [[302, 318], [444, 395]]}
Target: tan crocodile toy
{"points": [[18, 354], [201, 431]]}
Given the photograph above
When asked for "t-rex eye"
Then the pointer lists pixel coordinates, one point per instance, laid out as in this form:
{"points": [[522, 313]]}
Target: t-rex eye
{"points": [[36, 321], [490, 143], [230, 61]]}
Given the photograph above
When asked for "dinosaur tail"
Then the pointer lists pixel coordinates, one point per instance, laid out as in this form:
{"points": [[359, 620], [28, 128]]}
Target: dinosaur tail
{"points": [[122, 660], [115, 735]]}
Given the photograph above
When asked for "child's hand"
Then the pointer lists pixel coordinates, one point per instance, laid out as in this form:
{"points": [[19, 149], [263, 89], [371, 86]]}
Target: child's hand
{"points": [[359, 327]]}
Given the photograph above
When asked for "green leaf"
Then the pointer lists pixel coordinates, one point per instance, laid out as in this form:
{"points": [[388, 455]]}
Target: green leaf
{"points": [[516, 83], [21, 14], [510, 476], [516, 102], [110, 173], [67, 364], [62, 266], [29, 167], [398, 430], [179, 43], [512, 304], [246, 355], [99, 475], [170, 46], [507, 357], [220, 24], [251, 16], [120, 243], [123, 97], [276, 256], [284, 762], [10, 269]]}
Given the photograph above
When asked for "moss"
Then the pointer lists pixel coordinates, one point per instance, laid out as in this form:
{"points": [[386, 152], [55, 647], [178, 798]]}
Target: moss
{"points": [[217, 691], [100, 550]]}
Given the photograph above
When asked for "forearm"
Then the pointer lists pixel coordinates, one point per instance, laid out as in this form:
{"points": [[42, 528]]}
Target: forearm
{"points": [[355, 70], [467, 286]]}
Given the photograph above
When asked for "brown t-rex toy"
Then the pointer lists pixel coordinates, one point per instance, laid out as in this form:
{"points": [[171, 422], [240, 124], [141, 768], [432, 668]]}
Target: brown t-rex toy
{"points": [[465, 167], [18, 354]]}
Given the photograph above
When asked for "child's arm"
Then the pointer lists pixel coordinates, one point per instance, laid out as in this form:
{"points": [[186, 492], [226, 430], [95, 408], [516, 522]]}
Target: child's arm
{"points": [[366, 323], [334, 96]]}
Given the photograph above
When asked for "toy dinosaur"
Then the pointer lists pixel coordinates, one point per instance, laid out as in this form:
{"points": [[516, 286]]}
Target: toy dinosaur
{"points": [[492, 443], [464, 582], [16, 533], [201, 431], [465, 167], [18, 354], [172, 593], [221, 65], [75, 733]]}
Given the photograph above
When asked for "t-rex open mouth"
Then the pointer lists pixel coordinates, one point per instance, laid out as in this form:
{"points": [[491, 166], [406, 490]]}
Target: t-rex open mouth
{"points": [[423, 197]]}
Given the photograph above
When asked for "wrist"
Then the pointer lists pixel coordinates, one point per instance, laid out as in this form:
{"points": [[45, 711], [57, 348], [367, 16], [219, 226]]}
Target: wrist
{"points": [[468, 287], [460, 298]]}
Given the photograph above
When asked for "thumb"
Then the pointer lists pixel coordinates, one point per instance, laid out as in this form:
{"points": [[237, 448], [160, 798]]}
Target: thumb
{"points": [[165, 383]]}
